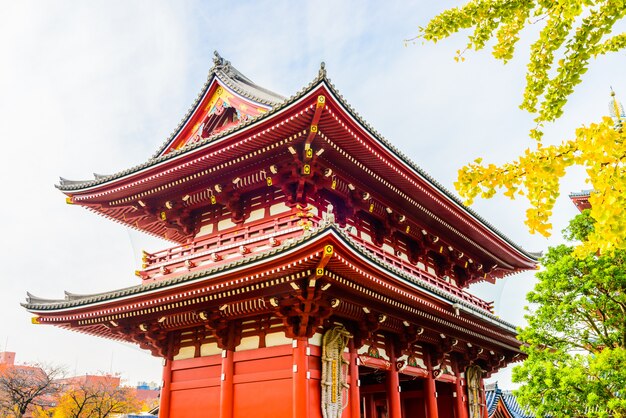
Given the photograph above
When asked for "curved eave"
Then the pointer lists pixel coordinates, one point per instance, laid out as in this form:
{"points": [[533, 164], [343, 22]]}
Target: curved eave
{"points": [[247, 90], [71, 187], [525, 260], [530, 258], [250, 94], [311, 242], [501, 403], [165, 152]]}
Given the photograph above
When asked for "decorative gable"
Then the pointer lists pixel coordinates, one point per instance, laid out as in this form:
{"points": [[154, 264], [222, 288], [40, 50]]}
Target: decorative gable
{"points": [[227, 99], [223, 110]]}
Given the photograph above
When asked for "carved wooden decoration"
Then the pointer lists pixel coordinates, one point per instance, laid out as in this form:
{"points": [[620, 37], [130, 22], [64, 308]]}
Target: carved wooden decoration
{"points": [[474, 391], [334, 371]]}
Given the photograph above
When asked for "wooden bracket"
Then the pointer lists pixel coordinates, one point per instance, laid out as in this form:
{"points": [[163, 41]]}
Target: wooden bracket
{"points": [[308, 151]]}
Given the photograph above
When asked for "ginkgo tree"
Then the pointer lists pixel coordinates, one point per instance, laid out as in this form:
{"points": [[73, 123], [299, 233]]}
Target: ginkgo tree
{"points": [[571, 34], [98, 397]]}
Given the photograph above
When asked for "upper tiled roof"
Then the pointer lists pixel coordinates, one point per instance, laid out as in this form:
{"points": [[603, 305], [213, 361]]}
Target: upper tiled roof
{"points": [[222, 70], [235, 80], [240, 80]]}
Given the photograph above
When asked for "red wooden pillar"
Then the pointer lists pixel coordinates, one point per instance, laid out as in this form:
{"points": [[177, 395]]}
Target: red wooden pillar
{"points": [[430, 389], [483, 398], [355, 396], [164, 403], [166, 390], [300, 381], [393, 383], [460, 406], [431, 397], [226, 387]]}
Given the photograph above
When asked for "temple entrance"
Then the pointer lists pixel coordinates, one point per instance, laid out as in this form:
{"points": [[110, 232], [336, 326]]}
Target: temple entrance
{"points": [[374, 399], [373, 390], [445, 399], [412, 397], [375, 402]]}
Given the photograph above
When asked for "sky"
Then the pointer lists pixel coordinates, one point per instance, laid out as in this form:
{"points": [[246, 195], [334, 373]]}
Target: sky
{"points": [[96, 87]]}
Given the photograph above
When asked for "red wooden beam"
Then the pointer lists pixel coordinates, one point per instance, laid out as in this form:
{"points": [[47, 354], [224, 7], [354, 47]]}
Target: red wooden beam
{"points": [[300, 386]]}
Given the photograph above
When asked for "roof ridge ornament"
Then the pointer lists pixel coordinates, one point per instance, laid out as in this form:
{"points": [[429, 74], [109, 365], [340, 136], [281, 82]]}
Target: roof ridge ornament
{"points": [[322, 70], [616, 111], [221, 64], [218, 61]]}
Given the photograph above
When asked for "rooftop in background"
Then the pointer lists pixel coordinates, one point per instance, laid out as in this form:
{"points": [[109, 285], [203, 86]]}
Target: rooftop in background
{"points": [[92, 379], [581, 199], [7, 358], [503, 403]]}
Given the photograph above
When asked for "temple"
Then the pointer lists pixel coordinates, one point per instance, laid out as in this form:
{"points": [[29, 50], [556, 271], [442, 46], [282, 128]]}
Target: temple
{"points": [[503, 404], [581, 199], [315, 270]]}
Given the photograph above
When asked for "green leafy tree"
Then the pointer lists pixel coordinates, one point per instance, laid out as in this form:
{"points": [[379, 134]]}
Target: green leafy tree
{"points": [[570, 34], [576, 333]]}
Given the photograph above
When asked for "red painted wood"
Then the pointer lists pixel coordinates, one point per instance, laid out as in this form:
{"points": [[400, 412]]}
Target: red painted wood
{"points": [[414, 371], [263, 399], [261, 353], [445, 399], [262, 376], [164, 405], [300, 385], [375, 363], [461, 409], [226, 389], [315, 374], [195, 373], [197, 362], [431, 398], [195, 403], [354, 397], [413, 407], [430, 390], [483, 398], [196, 384], [315, 397], [393, 384], [262, 365], [447, 378]]}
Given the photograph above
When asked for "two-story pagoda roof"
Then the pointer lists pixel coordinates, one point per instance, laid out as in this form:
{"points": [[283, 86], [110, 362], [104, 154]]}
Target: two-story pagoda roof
{"points": [[241, 143]]}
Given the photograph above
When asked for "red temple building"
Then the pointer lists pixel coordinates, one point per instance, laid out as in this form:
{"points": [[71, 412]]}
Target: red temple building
{"points": [[581, 199], [316, 271]]}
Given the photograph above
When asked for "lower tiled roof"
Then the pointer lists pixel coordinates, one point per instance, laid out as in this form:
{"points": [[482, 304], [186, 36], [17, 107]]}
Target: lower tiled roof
{"points": [[37, 304], [507, 399]]}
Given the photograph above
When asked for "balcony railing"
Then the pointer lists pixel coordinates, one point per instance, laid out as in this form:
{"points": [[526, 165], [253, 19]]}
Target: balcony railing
{"points": [[423, 275], [262, 235], [220, 247]]}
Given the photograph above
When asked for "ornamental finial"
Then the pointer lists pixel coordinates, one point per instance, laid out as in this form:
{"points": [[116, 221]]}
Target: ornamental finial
{"points": [[220, 63], [616, 110], [217, 59], [322, 72]]}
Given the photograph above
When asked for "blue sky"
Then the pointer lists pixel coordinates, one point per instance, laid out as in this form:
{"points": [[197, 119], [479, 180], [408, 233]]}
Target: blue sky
{"points": [[98, 86]]}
